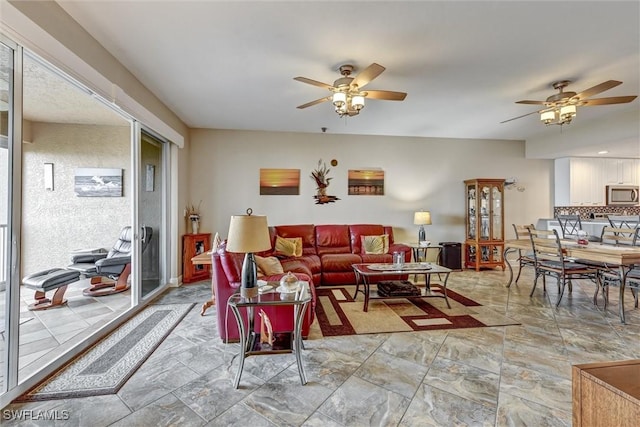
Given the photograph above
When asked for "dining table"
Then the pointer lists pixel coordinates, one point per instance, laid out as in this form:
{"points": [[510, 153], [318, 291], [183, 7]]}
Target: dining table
{"points": [[623, 257]]}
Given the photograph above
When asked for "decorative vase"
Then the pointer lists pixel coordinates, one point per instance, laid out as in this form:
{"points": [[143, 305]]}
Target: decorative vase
{"points": [[194, 227], [289, 282]]}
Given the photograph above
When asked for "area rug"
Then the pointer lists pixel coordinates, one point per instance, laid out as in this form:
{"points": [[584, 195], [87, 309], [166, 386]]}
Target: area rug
{"points": [[339, 314], [105, 367]]}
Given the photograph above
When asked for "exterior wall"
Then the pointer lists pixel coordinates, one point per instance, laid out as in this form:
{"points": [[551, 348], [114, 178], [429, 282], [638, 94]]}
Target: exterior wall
{"points": [[56, 222], [419, 173]]}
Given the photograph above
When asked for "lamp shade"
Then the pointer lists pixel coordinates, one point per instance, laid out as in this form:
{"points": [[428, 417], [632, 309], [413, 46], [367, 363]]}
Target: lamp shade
{"points": [[568, 110], [422, 218], [248, 233], [548, 116]]}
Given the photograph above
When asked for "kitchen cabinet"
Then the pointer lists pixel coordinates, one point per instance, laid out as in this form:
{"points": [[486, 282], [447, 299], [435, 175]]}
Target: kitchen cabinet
{"points": [[579, 181], [582, 181], [484, 241], [192, 245], [621, 171]]}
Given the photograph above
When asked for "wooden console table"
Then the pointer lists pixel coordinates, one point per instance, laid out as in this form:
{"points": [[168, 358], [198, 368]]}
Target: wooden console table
{"points": [[606, 394]]}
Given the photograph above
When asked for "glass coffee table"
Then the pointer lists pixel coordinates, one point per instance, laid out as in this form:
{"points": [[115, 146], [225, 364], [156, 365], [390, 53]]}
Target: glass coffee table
{"points": [[369, 274]]}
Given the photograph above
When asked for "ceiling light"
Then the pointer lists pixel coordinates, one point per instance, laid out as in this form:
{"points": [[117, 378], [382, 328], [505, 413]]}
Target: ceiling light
{"points": [[357, 102], [603, 152], [567, 113], [559, 116], [548, 117], [339, 99], [348, 102]]}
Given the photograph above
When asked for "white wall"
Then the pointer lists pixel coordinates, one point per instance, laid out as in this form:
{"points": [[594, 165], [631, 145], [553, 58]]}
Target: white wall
{"points": [[56, 222], [420, 173]]}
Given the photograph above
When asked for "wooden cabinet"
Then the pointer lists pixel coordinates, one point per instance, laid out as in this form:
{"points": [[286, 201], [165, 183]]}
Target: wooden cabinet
{"points": [[606, 394], [192, 245], [484, 241]]}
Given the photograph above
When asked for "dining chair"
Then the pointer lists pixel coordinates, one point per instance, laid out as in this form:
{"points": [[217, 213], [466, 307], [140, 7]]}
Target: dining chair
{"points": [[570, 225], [525, 259], [551, 261], [611, 275], [624, 221]]}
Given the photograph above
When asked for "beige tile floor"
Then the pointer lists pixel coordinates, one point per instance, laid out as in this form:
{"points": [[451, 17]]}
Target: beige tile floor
{"points": [[500, 376], [44, 333]]}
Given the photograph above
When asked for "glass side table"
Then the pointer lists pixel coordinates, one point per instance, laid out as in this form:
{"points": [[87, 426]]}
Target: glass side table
{"points": [[283, 342]]}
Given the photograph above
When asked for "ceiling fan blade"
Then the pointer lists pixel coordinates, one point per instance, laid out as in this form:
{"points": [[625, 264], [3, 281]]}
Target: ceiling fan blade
{"points": [[313, 82], [524, 115], [312, 103], [598, 89], [386, 95], [605, 101], [531, 102], [368, 74]]}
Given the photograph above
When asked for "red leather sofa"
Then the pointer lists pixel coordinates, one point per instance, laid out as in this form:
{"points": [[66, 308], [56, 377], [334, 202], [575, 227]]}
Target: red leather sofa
{"points": [[328, 252]]}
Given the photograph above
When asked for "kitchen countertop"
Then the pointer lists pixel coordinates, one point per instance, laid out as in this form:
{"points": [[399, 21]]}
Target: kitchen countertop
{"points": [[589, 221]]}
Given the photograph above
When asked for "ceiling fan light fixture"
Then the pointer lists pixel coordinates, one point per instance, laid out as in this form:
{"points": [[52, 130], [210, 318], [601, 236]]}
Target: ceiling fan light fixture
{"points": [[548, 117], [339, 99], [561, 108], [357, 102], [567, 113]]}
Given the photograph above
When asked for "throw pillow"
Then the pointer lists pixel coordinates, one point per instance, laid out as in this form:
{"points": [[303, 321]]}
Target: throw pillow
{"points": [[269, 266], [374, 244], [289, 246], [215, 243]]}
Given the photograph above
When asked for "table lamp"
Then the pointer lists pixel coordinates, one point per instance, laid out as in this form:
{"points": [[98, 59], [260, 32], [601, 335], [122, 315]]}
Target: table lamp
{"points": [[422, 218], [248, 234]]}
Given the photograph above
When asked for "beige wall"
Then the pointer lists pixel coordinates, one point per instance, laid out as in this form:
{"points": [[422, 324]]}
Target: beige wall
{"points": [[420, 173], [56, 222]]}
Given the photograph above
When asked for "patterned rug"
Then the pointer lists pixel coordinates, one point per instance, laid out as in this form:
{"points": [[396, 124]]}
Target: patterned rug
{"points": [[106, 366], [339, 314]]}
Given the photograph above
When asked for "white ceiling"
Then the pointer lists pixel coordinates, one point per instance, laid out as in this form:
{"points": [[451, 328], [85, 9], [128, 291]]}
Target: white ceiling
{"points": [[230, 65]]}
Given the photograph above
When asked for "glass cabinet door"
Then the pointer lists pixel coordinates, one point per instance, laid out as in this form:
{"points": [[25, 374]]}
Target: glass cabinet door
{"points": [[485, 203], [471, 212], [496, 211]]}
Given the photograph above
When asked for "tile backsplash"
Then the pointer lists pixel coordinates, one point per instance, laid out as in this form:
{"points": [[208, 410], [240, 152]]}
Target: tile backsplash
{"points": [[584, 211]]}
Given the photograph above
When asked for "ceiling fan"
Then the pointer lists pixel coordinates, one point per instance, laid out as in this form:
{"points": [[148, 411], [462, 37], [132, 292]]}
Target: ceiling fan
{"points": [[560, 108], [348, 96]]}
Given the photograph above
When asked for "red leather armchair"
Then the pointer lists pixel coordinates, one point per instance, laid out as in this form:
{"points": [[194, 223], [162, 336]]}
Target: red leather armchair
{"points": [[227, 268]]}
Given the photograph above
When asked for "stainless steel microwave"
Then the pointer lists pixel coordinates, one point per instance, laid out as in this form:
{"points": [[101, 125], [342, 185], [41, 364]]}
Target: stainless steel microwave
{"points": [[622, 195]]}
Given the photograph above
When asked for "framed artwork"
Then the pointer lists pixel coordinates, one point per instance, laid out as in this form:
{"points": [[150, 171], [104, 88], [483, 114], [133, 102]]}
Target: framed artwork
{"points": [[279, 182], [98, 182], [366, 182]]}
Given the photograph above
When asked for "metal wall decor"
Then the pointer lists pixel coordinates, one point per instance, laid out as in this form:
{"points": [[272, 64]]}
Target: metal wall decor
{"points": [[320, 176]]}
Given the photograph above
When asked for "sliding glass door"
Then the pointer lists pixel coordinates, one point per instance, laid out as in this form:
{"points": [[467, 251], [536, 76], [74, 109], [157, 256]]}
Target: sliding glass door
{"points": [[74, 171], [6, 167], [151, 211]]}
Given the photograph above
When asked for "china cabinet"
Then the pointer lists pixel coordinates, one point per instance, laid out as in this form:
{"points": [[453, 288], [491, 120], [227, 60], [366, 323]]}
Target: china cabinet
{"points": [[484, 236], [192, 245]]}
